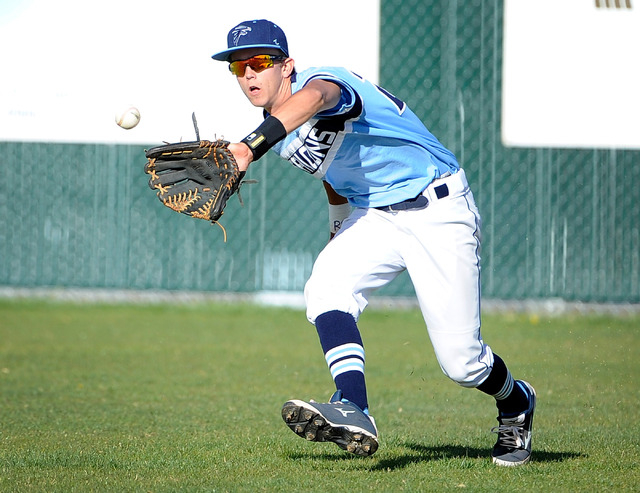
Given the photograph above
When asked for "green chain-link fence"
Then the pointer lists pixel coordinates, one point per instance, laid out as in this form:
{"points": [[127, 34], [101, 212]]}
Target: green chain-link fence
{"points": [[83, 216], [557, 223]]}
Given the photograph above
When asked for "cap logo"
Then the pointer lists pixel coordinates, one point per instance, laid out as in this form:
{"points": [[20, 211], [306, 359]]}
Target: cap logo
{"points": [[238, 32]]}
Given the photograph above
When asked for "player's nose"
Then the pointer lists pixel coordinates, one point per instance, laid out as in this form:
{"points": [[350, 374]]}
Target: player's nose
{"points": [[249, 73]]}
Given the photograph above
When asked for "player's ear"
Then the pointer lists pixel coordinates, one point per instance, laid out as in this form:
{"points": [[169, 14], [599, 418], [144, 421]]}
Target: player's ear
{"points": [[288, 67]]}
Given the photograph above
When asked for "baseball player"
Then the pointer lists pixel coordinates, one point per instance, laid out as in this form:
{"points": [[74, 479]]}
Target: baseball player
{"points": [[398, 200]]}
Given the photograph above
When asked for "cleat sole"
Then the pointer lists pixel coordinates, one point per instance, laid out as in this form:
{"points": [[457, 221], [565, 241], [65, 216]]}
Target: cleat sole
{"points": [[313, 427]]}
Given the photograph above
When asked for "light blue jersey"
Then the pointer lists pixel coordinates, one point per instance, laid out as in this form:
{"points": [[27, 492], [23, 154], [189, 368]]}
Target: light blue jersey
{"points": [[371, 148]]}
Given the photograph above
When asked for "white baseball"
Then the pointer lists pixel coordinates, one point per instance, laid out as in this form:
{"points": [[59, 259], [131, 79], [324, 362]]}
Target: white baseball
{"points": [[128, 118]]}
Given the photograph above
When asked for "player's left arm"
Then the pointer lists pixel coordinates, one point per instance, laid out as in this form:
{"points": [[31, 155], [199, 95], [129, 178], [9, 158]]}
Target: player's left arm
{"points": [[339, 209]]}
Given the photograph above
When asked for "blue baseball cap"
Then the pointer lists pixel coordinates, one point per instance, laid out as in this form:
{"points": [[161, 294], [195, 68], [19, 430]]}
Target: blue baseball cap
{"points": [[259, 33]]}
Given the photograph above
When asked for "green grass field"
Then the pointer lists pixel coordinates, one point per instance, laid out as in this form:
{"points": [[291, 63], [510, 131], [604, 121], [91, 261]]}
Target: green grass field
{"points": [[188, 397]]}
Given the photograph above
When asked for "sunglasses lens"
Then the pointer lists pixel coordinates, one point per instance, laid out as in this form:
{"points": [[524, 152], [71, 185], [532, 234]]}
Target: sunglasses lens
{"points": [[237, 68], [257, 64]]}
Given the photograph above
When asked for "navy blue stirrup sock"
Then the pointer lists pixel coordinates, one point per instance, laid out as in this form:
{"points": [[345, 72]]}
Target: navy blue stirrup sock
{"points": [[344, 352], [510, 398]]}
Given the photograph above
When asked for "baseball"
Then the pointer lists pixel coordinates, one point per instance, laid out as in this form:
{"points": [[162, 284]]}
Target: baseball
{"points": [[128, 118]]}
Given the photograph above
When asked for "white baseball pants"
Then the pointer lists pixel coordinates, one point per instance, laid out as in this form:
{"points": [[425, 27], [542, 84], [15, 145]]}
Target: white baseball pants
{"points": [[439, 246]]}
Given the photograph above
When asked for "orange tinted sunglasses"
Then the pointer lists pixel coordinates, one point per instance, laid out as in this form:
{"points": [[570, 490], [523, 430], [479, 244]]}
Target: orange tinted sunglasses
{"points": [[257, 63]]}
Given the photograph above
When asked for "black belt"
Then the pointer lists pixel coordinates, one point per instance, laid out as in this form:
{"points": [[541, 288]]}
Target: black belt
{"points": [[419, 202]]}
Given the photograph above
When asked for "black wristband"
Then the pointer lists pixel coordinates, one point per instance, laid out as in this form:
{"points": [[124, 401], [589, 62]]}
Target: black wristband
{"points": [[263, 138]]}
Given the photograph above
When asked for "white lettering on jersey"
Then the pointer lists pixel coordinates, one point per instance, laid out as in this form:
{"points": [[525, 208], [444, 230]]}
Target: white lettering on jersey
{"points": [[315, 147]]}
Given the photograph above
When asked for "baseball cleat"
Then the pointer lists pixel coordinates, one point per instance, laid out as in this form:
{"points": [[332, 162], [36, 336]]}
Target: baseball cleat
{"points": [[338, 421], [513, 447]]}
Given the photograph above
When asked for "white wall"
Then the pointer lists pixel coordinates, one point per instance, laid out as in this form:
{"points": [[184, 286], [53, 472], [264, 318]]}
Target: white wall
{"points": [[68, 65], [571, 74]]}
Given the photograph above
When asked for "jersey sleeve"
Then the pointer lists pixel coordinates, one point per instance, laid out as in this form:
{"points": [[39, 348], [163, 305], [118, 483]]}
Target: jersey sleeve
{"points": [[348, 96]]}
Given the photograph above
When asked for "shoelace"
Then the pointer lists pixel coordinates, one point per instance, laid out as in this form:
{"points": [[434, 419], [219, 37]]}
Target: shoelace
{"points": [[511, 436]]}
